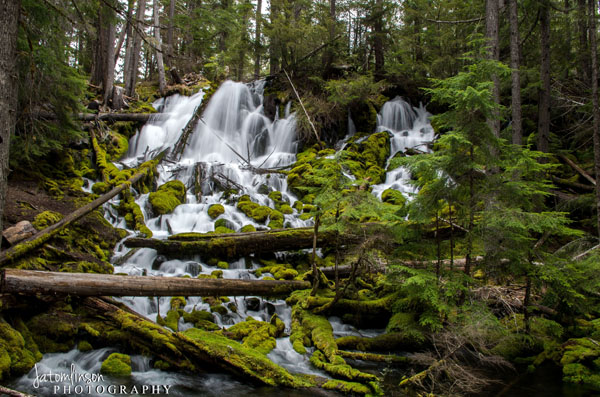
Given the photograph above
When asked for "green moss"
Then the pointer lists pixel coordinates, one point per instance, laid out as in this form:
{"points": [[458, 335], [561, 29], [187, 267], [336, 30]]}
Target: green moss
{"points": [[217, 273], [221, 222], [298, 205], [286, 209], [222, 310], [339, 368], [84, 346], [393, 196], [101, 188], [15, 358], [247, 207], [275, 196], [197, 316], [407, 324], [132, 213], [116, 364], [261, 213], [117, 146], [346, 387], [215, 210], [162, 365], [167, 197], [255, 334], [177, 302], [223, 230], [247, 360], [172, 319], [223, 265], [248, 228], [45, 219]]}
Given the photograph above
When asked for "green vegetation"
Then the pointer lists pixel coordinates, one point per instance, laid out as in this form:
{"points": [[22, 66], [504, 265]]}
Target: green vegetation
{"points": [[167, 197], [117, 364]]}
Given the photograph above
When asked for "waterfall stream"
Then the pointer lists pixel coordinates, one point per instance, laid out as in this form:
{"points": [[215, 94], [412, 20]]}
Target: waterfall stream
{"points": [[233, 134]]}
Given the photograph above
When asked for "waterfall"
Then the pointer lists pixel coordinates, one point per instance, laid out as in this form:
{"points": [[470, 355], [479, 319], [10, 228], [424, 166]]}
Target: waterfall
{"points": [[410, 129]]}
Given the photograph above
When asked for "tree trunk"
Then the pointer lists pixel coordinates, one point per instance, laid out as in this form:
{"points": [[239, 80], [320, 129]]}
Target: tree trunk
{"points": [[9, 19], [274, 47], [159, 55], [583, 53], [378, 39], [596, 109], [492, 23], [257, 45], [103, 66], [236, 245], [329, 53], [135, 50], [170, 34], [515, 65], [108, 76], [44, 235], [32, 282], [245, 42], [544, 92], [125, 31]]}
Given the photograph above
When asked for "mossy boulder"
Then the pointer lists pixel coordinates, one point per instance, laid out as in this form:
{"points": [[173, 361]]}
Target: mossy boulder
{"points": [[248, 228], [223, 230], [117, 364], [223, 265], [84, 346], [167, 197], [255, 334], [261, 213], [15, 357], [215, 210], [393, 196], [198, 317]]}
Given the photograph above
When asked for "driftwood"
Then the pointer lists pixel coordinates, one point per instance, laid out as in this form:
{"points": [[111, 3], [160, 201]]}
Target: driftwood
{"points": [[32, 282], [42, 236], [578, 169], [236, 244]]}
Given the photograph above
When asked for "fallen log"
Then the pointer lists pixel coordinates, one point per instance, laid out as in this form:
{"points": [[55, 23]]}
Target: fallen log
{"points": [[458, 264], [44, 235], [108, 117], [572, 185], [13, 393], [32, 282], [577, 168], [192, 350], [236, 245]]}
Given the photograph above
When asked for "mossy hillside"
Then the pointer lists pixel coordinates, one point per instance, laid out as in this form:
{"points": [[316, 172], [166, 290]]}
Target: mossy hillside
{"points": [[167, 197], [116, 364], [17, 354]]}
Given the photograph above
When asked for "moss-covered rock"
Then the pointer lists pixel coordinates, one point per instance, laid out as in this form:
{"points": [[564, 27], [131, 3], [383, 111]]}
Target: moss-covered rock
{"points": [[393, 196], [248, 228], [261, 213], [117, 364], [223, 265], [255, 334], [15, 358], [84, 346], [167, 197], [134, 218], [215, 210], [45, 219]]}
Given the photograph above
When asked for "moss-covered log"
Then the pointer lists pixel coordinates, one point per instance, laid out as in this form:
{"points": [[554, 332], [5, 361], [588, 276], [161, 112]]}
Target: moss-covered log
{"points": [[195, 349], [235, 245], [108, 117], [44, 235], [31, 282]]}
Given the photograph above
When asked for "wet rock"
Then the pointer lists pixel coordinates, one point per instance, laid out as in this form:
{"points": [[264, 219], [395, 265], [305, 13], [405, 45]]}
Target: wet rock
{"points": [[193, 268], [159, 260], [253, 304]]}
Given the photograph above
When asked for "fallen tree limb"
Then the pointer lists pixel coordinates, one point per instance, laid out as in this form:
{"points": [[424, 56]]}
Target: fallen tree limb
{"points": [[13, 393], [44, 235], [108, 117], [572, 185], [237, 244], [381, 358], [32, 282], [577, 168]]}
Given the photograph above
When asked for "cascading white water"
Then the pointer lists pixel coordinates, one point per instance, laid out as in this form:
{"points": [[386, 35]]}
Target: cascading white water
{"points": [[234, 131], [410, 129]]}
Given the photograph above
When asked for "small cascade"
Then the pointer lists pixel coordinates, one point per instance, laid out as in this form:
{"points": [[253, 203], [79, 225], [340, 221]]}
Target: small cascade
{"points": [[411, 130]]}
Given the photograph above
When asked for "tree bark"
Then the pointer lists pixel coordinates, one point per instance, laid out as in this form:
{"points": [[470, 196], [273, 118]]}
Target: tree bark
{"points": [[125, 31], [44, 235], [544, 92], [515, 65], [329, 53], [274, 47], [596, 109], [9, 19], [159, 55], [378, 39], [235, 245], [170, 34], [32, 282], [131, 73], [492, 24], [583, 53], [257, 46]]}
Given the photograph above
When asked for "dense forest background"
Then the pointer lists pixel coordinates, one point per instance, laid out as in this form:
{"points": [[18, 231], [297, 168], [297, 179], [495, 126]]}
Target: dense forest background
{"points": [[510, 192]]}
